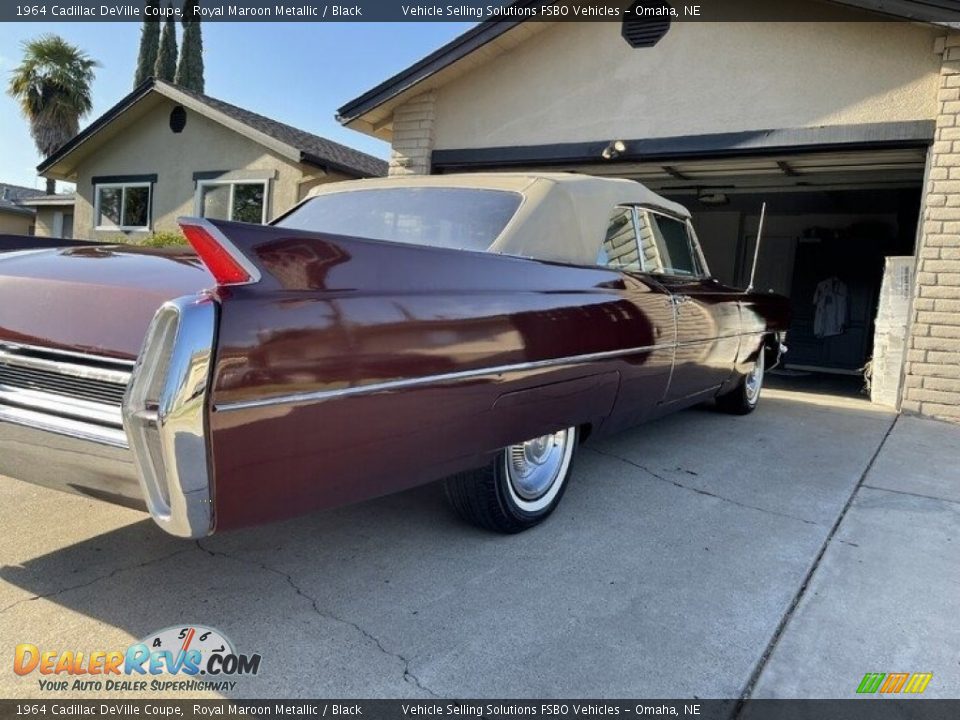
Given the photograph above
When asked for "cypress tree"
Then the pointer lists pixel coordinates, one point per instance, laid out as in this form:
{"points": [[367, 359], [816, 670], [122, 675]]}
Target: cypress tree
{"points": [[149, 45], [190, 67], [166, 66]]}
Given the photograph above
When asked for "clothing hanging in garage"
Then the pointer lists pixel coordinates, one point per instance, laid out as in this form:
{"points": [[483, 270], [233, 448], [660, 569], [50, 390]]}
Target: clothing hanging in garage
{"points": [[830, 300]]}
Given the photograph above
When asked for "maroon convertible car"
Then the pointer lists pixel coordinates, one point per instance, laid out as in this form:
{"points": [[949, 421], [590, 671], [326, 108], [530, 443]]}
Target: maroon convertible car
{"points": [[380, 335]]}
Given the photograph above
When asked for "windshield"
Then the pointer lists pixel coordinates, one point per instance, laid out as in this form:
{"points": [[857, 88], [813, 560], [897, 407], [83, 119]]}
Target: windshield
{"points": [[461, 218]]}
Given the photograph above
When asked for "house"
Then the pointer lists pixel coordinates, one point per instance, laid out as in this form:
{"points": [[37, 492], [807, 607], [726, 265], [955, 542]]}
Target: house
{"points": [[163, 152], [54, 214], [847, 128], [16, 218]]}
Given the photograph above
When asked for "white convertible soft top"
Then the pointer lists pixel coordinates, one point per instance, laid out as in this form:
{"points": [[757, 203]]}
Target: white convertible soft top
{"points": [[563, 216]]}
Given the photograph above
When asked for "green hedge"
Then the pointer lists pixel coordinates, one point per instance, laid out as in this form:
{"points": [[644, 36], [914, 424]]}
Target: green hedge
{"points": [[164, 238]]}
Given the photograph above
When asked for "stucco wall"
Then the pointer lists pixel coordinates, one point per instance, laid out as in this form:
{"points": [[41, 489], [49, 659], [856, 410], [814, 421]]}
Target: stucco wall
{"points": [[44, 225], [15, 223], [581, 81], [150, 147]]}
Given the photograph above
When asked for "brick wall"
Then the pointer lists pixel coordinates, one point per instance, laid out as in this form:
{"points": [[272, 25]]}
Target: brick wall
{"points": [[413, 136], [932, 371]]}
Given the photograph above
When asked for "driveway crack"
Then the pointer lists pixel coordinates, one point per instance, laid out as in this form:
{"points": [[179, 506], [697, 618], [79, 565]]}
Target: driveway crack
{"points": [[408, 674], [699, 491], [805, 583], [912, 494], [99, 578]]}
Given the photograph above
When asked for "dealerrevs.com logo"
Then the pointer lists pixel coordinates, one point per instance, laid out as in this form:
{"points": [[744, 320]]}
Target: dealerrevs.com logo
{"points": [[183, 657]]}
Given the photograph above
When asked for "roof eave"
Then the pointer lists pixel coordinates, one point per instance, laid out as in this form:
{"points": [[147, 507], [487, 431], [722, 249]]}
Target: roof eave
{"points": [[311, 159], [351, 113], [87, 133], [459, 47]]}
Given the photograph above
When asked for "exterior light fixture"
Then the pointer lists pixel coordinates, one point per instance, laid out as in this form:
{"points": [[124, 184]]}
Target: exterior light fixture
{"points": [[614, 150]]}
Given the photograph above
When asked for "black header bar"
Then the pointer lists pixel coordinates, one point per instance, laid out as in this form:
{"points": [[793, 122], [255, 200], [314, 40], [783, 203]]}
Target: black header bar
{"points": [[937, 11]]}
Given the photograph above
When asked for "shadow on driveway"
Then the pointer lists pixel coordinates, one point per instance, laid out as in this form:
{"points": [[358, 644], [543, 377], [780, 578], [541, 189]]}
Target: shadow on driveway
{"points": [[665, 571]]}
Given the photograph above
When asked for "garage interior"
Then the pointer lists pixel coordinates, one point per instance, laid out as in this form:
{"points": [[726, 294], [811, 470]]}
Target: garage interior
{"points": [[829, 215]]}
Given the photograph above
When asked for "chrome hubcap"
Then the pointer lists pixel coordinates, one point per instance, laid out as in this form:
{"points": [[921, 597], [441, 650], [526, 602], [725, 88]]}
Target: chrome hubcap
{"points": [[534, 468], [754, 380]]}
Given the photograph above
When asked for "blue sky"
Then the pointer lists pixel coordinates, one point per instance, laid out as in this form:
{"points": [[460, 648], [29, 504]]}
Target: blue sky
{"points": [[299, 73]]}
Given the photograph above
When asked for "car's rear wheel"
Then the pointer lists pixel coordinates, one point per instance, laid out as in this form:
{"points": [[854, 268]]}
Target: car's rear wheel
{"points": [[520, 488], [745, 397]]}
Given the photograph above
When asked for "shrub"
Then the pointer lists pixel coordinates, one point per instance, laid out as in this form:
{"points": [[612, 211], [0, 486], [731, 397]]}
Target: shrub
{"points": [[164, 238]]}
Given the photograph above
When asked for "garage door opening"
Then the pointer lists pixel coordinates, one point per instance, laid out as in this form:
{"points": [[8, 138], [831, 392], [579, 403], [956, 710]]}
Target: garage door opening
{"points": [[828, 251], [840, 227], [838, 240]]}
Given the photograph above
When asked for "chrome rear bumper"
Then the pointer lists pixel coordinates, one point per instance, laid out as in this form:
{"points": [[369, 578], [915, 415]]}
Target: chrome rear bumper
{"points": [[59, 429], [64, 456]]}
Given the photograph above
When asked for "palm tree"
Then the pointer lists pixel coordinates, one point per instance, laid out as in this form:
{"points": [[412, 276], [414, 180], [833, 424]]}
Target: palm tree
{"points": [[52, 85]]}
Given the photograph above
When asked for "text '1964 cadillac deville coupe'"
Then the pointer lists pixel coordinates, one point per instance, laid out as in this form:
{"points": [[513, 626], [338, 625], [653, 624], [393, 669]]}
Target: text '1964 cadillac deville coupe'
{"points": [[380, 335]]}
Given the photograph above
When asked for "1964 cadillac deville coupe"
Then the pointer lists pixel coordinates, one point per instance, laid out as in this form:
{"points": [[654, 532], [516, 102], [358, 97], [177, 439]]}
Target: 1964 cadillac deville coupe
{"points": [[382, 334]]}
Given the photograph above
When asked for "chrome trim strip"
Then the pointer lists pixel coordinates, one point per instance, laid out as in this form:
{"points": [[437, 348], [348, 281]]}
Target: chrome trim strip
{"points": [[20, 347], [85, 372], [64, 426], [227, 244], [58, 405], [168, 432], [318, 395]]}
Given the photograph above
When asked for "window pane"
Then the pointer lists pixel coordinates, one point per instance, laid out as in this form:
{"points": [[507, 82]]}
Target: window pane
{"points": [[674, 245], [110, 200], [136, 206], [215, 202], [248, 203], [650, 254], [619, 249], [441, 217]]}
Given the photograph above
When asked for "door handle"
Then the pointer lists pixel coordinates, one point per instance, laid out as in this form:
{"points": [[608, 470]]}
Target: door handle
{"points": [[681, 299]]}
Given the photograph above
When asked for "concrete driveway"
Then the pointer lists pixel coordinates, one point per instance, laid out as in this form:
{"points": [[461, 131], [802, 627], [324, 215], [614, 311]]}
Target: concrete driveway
{"points": [[700, 555]]}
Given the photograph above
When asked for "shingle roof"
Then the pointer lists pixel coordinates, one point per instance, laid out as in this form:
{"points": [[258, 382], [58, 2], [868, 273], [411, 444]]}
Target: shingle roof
{"points": [[316, 149], [11, 195], [305, 146]]}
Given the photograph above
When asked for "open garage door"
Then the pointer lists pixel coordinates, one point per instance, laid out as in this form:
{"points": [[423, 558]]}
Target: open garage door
{"points": [[833, 220]]}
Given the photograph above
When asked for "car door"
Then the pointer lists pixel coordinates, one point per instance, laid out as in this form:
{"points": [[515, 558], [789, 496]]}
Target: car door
{"points": [[707, 312], [648, 307]]}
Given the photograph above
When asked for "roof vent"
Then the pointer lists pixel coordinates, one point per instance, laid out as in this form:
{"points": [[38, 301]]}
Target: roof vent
{"points": [[645, 23], [178, 119]]}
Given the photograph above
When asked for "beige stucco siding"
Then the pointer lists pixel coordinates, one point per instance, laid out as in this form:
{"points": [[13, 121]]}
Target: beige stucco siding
{"points": [[45, 220], [15, 223], [149, 147], [581, 81]]}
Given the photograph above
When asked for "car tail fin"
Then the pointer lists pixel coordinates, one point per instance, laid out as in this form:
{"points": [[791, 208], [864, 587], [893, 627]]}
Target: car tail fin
{"points": [[227, 264]]}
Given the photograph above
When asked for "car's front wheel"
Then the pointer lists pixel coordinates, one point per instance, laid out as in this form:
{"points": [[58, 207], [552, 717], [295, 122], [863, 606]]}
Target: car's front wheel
{"points": [[520, 488], [744, 398]]}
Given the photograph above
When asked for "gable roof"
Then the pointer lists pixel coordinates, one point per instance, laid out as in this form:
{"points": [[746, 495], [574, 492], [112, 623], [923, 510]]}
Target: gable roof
{"points": [[293, 143], [489, 34], [12, 196]]}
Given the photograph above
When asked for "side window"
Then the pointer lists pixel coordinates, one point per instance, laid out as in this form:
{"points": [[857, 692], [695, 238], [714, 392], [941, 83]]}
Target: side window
{"points": [[619, 249], [649, 250], [674, 246]]}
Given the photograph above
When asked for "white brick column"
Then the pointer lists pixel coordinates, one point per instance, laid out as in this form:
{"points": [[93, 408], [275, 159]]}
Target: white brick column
{"points": [[413, 136], [932, 372]]}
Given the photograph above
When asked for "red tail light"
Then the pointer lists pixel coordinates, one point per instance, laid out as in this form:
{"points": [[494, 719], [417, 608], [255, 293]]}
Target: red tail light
{"points": [[218, 254]]}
